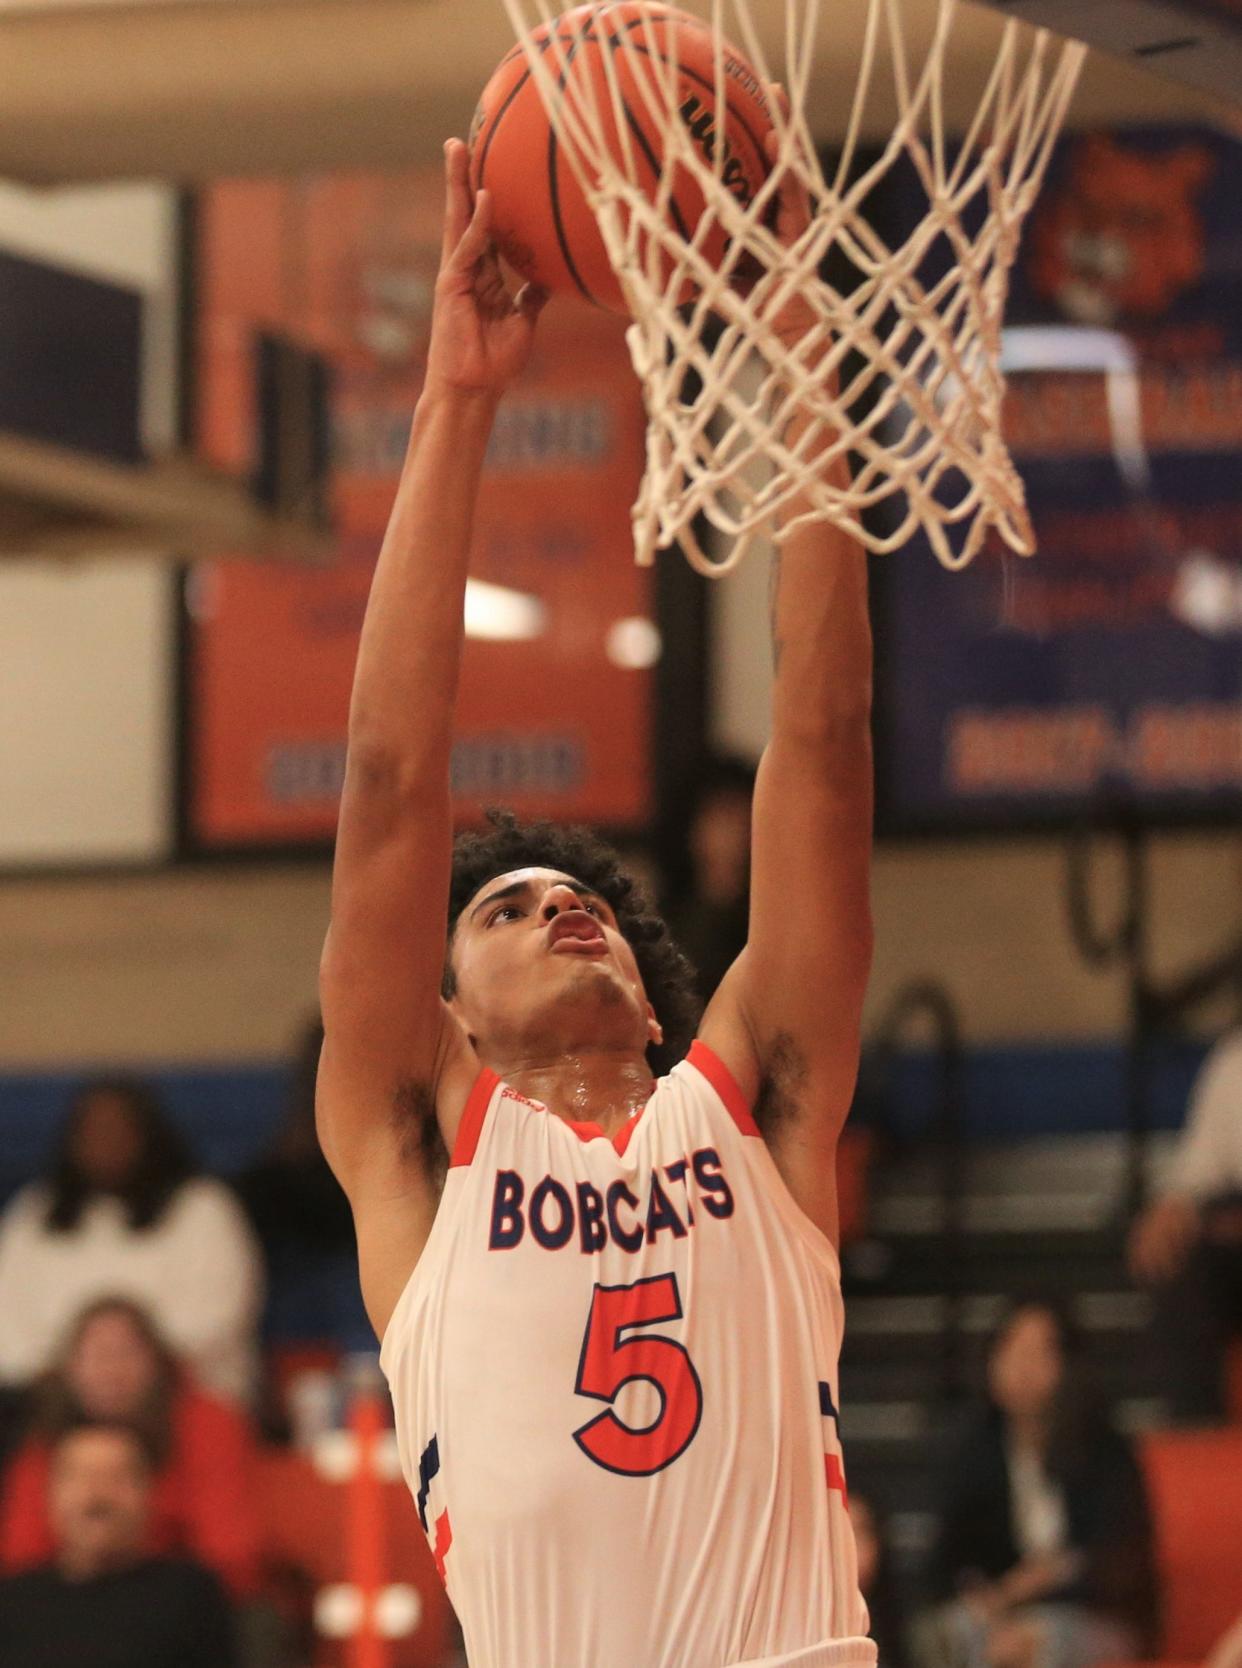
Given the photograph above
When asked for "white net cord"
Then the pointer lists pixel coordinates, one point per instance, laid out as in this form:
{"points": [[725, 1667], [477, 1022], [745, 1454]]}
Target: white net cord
{"points": [[901, 368]]}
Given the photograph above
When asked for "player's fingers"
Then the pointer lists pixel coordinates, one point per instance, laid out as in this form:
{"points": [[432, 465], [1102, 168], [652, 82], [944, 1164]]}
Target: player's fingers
{"points": [[779, 97], [531, 300], [475, 242], [457, 205], [794, 202]]}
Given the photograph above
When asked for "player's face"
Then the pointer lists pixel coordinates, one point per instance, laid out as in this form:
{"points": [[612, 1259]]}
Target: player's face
{"points": [[541, 966]]}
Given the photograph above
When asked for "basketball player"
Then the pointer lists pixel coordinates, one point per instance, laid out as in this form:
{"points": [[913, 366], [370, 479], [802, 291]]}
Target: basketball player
{"points": [[611, 1332]]}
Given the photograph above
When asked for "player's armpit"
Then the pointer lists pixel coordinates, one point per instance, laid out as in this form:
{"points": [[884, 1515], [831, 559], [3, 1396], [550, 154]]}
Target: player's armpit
{"points": [[800, 1093], [383, 1119]]}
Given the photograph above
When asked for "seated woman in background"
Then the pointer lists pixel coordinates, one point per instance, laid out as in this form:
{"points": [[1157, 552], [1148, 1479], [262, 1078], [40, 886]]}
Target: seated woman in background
{"points": [[114, 1368], [304, 1225], [122, 1210], [1043, 1554]]}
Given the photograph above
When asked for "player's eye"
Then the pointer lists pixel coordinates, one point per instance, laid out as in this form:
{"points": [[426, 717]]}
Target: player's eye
{"points": [[504, 909]]}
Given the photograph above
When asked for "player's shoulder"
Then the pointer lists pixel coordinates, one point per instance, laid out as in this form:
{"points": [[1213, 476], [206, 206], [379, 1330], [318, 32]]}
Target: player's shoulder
{"points": [[709, 1073], [727, 1035]]}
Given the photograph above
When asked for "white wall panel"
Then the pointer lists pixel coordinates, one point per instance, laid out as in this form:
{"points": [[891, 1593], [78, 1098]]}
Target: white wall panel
{"points": [[85, 732], [86, 649]]}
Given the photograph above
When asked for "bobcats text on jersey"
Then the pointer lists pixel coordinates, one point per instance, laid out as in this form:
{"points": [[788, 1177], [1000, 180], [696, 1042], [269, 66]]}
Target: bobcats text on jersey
{"points": [[592, 1218]]}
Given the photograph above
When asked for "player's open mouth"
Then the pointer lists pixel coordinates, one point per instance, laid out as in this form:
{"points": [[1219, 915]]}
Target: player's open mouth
{"points": [[575, 930]]}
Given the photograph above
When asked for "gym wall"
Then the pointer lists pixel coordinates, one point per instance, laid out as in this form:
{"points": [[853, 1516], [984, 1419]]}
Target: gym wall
{"points": [[86, 647]]}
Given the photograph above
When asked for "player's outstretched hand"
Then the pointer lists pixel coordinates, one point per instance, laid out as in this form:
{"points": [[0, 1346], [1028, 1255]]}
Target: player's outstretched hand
{"points": [[481, 334]]}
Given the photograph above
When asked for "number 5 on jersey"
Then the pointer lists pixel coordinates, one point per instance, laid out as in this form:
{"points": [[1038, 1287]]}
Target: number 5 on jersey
{"points": [[610, 1361]]}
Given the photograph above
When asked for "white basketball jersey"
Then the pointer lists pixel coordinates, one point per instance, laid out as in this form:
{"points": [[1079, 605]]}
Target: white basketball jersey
{"points": [[614, 1372]]}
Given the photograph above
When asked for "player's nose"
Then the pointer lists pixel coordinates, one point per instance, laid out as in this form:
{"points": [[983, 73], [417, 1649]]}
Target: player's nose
{"points": [[558, 897]]}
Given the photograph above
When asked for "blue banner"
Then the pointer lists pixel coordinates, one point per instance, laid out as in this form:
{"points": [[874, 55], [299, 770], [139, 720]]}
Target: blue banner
{"points": [[1108, 668]]}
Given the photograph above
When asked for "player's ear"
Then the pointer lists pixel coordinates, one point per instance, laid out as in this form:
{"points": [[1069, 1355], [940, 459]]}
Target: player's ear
{"points": [[454, 1006], [655, 1031], [450, 992]]}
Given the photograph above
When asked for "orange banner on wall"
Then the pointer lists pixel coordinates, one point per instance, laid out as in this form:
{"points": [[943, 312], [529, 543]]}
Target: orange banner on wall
{"points": [[555, 723]]}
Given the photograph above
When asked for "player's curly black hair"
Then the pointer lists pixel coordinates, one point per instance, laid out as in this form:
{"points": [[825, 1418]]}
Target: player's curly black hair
{"points": [[508, 844]]}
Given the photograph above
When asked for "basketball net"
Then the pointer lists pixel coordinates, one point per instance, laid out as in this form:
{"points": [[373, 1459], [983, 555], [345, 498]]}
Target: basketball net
{"points": [[901, 367]]}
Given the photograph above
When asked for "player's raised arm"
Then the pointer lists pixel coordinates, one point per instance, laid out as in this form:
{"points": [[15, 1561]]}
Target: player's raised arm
{"points": [[395, 1068], [788, 1016]]}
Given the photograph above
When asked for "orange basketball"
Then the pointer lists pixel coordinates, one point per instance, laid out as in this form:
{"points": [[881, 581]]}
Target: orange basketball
{"points": [[543, 224]]}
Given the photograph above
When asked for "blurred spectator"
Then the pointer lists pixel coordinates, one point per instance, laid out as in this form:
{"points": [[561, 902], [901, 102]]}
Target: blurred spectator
{"points": [[115, 1367], [1188, 1243], [876, 1581], [1043, 1555], [711, 923], [293, 1200], [101, 1601], [122, 1210], [304, 1224]]}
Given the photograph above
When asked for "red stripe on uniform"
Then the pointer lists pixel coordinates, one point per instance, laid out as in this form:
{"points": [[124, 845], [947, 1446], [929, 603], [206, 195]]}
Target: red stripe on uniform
{"points": [[444, 1540], [834, 1473], [584, 1132], [713, 1068], [473, 1114]]}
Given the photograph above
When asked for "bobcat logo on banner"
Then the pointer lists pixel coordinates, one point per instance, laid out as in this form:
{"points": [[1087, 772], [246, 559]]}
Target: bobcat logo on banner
{"points": [[1124, 238], [1105, 676]]}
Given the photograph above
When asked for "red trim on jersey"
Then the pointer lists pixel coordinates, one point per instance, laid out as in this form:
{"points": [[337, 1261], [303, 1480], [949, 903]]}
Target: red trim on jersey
{"points": [[834, 1473], [473, 1113], [584, 1132], [621, 1139], [713, 1068], [592, 1132], [444, 1542], [476, 1107]]}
